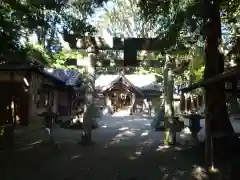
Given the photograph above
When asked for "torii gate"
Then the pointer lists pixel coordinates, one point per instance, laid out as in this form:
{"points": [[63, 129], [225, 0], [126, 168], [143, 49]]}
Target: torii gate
{"points": [[131, 46]]}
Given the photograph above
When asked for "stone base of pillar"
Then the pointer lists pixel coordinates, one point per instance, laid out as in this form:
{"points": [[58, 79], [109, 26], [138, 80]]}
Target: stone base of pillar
{"points": [[86, 139]]}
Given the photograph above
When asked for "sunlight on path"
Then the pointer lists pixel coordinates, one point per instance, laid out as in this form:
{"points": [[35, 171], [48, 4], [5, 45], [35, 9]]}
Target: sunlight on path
{"points": [[124, 145], [121, 113]]}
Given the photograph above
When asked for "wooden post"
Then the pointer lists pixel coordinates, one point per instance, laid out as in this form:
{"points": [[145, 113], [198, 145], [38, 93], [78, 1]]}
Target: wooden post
{"points": [[170, 136], [182, 102], [197, 101], [208, 140], [70, 102], [130, 53], [89, 112]]}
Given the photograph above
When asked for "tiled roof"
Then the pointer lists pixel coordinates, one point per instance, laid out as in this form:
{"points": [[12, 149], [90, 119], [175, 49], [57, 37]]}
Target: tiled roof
{"points": [[29, 67], [69, 77], [103, 81], [143, 82], [119, 77]]}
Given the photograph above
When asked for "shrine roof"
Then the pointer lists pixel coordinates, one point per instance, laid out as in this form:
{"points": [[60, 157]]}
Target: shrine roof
{"points": [[60, 76], [143, 82], [68, 76], [30, 68]]}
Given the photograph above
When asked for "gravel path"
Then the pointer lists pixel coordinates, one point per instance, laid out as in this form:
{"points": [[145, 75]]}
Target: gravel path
{"points": [[126, 147]]}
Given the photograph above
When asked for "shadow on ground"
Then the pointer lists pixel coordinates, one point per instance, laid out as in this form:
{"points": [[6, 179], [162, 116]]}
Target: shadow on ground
{"points": [[101, 163], [122, 151]]}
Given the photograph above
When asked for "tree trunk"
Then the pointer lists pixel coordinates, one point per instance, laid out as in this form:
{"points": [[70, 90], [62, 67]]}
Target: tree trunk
{"points": [[234, 101], [170, 134], [217, 121]]}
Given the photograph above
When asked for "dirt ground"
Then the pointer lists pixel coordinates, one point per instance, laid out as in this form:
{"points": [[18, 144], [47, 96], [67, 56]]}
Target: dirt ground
{"points": [[125, 148]]}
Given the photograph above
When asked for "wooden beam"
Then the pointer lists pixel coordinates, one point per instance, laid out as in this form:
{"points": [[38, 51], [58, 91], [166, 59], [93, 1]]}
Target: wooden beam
{"points": [[129, 45], [151, 44], [120, 63], [86, 41], [130, 54], [221, 135], [118, 44], [145, 43], [234, 72], [227, 90]]}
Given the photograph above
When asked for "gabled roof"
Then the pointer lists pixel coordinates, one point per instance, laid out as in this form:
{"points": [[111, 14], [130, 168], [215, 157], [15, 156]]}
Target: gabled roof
{"points": [[60, 76], [109, 85], [143, 82], [68, 76], [132, 85], [30, 68], [104, 80], [124, 80]]}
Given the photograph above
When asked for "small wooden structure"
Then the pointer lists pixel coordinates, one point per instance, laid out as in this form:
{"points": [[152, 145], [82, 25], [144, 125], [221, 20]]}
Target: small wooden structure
{"points": [[124, 90], [28, 90], [70, 95], [122, 93]]}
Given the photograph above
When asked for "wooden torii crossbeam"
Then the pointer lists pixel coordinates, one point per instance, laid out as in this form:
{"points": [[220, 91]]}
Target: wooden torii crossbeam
{"points": [[227, 75], [120, 63], [130, 46]]}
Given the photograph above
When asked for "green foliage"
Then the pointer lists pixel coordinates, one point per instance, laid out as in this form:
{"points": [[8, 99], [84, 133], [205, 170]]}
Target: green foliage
{"points": [[188, 16], [198, 73], [176, 22], [37, 52], [59, 59], [230, 11], [123, 20], [182, 29], [19, 19], [14, 16]]}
